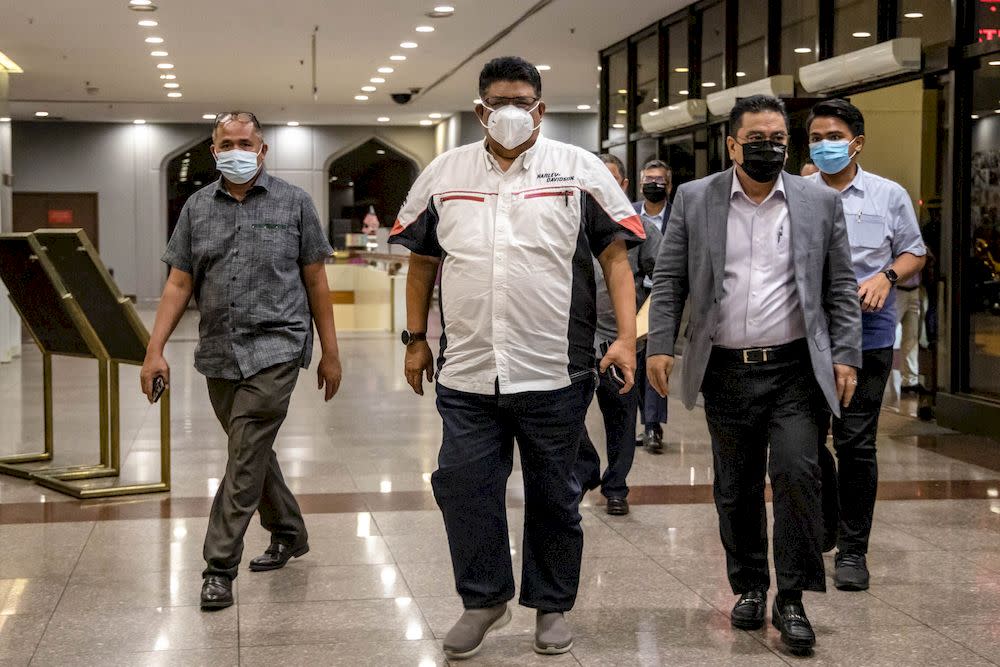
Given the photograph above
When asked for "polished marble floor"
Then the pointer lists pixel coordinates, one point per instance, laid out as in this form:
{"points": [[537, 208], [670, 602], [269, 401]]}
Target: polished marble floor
{"points": [[116, 582]]}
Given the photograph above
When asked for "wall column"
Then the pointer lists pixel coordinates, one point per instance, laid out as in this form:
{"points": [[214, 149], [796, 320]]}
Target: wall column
{"points": [[10, 323]]}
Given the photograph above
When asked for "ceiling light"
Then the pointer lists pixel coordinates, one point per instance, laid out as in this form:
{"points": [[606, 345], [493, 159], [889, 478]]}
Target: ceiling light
{"points": [[434, 115], [803, 49], [477, 101], [141, 5], [996, 111], [444, 9], [397, 58], [622, 111], [656, 100], [682, 92], [543, 68], [708, 84], [741, 74], [383, 119], [622, 91], [154, 40], [5, 119], [681, 70], [583, 107], [171, 85], [974, 117], [208, 116], [138, 121], [168, 77], [377, 79], [861, 35], [995, 63], [425, 28], [618, 126], [165, 66], [369, 89], [293, 123], [361, 98], [8, 65], [175, 94], [380, 151], [41, 114], [385, 70], [159, 54], [426, 122], [148, 23], [408, 45], [913, 15]]}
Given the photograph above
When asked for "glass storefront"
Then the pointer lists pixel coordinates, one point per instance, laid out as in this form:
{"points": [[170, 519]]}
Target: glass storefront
{"points": [[677, 61], [647, 66], [854, 25], [713, 42], [799, 25], [751, 54], [617, 95], [930, 20]]}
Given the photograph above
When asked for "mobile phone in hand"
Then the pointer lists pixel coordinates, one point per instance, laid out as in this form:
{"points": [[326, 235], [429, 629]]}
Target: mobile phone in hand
{"points": [[616, 375], [158, 387]]}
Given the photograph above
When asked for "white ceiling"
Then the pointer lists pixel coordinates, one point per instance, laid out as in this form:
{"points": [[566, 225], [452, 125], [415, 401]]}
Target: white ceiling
{"points": [[249, 55]]}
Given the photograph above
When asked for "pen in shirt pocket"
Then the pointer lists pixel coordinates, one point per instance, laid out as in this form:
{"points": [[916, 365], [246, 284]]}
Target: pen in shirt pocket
{"points": [[781, 231]]}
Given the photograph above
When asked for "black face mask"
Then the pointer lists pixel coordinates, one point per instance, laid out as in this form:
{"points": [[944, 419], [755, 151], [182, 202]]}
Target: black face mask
{"points": [[763, 160], [654, 192]]}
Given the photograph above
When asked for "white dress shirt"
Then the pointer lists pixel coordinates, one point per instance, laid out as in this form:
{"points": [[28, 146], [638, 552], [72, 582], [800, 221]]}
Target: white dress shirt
{"points": [[760, 304]]}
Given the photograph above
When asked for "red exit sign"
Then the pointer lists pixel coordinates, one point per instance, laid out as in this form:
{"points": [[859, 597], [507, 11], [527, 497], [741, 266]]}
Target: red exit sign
{"points": [[60, 216]]}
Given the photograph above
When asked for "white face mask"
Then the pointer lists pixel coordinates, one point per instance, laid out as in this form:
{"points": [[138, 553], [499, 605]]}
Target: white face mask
{"points": [[510, 126], [238, 166]]}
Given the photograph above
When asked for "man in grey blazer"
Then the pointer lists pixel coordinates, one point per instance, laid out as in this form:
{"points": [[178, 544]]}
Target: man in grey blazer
{"points": [[774, 337]]}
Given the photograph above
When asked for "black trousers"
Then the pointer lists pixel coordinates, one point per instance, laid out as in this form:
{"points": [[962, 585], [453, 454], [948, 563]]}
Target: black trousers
{"points": [[619, 413], [251, 411], [854, 434], [764, 419], [477, 457]]}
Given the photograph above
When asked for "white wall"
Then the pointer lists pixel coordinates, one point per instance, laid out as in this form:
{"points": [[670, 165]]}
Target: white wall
{"points": [[10, 323], [125, 164], [579, 129]]}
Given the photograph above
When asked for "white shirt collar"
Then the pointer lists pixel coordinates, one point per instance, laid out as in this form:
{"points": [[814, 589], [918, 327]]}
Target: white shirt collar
{"points": [[737, 187], [526, 158], [650, 215]]}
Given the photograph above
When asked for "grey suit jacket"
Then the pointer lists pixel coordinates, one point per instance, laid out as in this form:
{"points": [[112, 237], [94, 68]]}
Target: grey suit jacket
{"points": [[692, 262]]}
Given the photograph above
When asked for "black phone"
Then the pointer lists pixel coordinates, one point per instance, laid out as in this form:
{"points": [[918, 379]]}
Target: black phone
{"points": [[159, 386], [616, 375]]}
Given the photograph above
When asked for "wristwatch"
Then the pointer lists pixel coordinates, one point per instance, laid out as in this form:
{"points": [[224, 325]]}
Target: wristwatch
{"points": [[891, 275], [412, 336]]}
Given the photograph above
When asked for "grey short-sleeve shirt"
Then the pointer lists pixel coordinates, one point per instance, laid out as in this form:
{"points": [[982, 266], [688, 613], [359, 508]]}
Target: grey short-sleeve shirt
{"points": [[246, 261]]}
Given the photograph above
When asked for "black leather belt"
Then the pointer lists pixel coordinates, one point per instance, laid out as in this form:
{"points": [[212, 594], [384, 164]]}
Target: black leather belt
{"points": [[763, 355]]}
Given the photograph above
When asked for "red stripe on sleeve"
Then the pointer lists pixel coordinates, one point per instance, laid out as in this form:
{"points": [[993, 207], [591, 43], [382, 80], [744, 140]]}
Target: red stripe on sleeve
{"points": [[634, 225]]}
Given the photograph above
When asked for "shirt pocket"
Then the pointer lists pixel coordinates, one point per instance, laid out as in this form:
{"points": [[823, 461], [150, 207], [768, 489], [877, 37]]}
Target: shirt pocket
{"points": [[278, 241], [868, 231]]}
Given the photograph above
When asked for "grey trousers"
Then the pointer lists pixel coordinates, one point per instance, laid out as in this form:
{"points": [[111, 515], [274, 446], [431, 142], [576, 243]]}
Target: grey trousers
{"points": [[251, 412]]}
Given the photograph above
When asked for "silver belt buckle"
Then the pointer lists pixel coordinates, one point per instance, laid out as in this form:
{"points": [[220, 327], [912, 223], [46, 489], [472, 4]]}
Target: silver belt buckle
{"points": [[749, 354]]}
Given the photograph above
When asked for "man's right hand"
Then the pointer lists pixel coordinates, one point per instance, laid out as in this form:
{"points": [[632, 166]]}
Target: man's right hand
{"points": [[419, 362], [658, 368], [154, 365]]}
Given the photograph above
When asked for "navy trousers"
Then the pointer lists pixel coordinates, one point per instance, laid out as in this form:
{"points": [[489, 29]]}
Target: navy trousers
{"points": [[619, 412]]}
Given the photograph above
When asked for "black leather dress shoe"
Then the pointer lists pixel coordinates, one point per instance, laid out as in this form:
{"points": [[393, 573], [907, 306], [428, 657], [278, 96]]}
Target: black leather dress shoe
{"points": [[851, 573], [617, 506], [748, 613], [216, 592], [276, 556], [789, 618], [653, 442]]}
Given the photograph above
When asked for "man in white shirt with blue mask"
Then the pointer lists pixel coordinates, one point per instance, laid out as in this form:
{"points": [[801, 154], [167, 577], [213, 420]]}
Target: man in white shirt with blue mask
{"points": [[886, 247]]}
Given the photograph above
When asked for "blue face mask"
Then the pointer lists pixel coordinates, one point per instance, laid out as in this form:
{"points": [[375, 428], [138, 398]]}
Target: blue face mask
{"points": [[237, 166], [831, 157]]}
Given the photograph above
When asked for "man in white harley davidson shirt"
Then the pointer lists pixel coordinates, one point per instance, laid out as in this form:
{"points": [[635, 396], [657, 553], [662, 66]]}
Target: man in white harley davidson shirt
{"points": [[513, 223]]}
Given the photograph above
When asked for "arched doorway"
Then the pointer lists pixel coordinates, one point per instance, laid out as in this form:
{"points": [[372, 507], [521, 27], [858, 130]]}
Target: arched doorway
{"points": [[187, 173], [371, 175]]}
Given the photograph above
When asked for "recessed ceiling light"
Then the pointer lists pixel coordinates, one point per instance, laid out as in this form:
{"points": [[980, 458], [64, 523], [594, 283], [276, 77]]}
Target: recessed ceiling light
{"points": [[148, 23], [622, 112], [377, 79], [385, 70], [293, 123], [383, 119], [803, 49], [154, 40], [434, 115], [380, 151], [397, 57], [159, 54], [425, 28], [5, 119], [142, 5], [913, 15], [543, 68], [138, 121], [974, 117], [995, 63], [681, 70], [165, 66], [361, 98], [583, 107], [426, 122], [622, 91], [408, 45], [168, 77], [618, 126], [208, 116], [175, 94], [741, 74], [41, 114], [172, 85], [682, 92], [861, 34], [477, 101], [444, 9], [708, 84], [656, 100], [368, 89]]}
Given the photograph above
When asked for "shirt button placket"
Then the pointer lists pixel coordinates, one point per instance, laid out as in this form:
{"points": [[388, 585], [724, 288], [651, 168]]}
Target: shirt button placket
{"points": [[500, 267]]}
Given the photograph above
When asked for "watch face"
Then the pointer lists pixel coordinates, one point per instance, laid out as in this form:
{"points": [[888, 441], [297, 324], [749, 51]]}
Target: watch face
{"points": [[405, 337]]}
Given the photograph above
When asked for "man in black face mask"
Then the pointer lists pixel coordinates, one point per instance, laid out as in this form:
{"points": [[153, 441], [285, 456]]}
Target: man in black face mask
{"points": [[774, 337]]}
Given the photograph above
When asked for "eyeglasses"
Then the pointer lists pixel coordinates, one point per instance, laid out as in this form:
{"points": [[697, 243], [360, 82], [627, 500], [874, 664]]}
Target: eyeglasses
{"points": [[526, 103], [777, 137], [238, 116], [654, 179]]}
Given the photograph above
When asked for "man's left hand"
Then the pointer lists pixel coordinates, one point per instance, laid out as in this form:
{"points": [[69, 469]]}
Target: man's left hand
{"points": [[847, 382], [621, 354], [873, 293], [328, 374]]}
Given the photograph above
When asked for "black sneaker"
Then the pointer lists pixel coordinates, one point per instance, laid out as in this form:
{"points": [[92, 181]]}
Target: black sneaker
{"points": [[789, 617], [851, 573], [748, 613]]}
